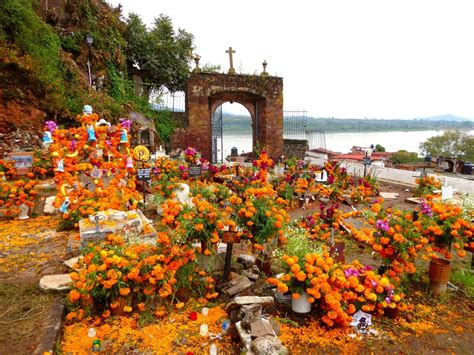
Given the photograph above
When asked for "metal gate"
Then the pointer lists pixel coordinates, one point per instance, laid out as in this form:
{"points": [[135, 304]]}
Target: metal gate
{"points": [[217, 136]]}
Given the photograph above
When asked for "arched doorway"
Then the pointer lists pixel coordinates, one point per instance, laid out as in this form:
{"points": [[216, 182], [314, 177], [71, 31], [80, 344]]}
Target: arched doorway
{"points": [[262, 96], [231, 127]]}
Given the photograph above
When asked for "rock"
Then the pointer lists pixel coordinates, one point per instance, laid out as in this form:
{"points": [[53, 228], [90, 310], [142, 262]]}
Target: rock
{"points": [[240, 301], [251, 275], [275, 326], [389, 195], [251, 313], [347, 200], [324, 200], [49, 205], [268, 345], [247, 260], [242, 284], [415, 200], [247, 292], [260, 328], [73, 261], [55, 282], [232, 275]]}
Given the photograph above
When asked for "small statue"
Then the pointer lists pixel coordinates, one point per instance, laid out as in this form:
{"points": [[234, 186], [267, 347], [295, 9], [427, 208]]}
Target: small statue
{"points": [[91, 133], [124, 136], [47, 139], [87, 110], [60, 167], [65, 206]]}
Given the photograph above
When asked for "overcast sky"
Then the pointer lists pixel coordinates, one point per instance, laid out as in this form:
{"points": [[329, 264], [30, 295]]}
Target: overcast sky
{"points": [[340, 58]]}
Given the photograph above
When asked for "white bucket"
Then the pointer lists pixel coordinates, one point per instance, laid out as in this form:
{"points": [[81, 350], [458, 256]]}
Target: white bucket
{"points": [[301, 305]]}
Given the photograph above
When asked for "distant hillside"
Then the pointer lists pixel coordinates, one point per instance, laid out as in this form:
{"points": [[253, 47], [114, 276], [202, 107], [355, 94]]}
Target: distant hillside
{"points": [[447, 118], [236, 123]]}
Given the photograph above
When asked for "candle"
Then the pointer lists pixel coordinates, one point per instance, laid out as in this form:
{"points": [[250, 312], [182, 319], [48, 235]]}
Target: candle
{"points": [[205, 311], [193, 316], [203, 330]]}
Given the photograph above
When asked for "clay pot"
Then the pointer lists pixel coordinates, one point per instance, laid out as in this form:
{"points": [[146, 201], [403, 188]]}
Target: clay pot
{"points": [[439, 272]]}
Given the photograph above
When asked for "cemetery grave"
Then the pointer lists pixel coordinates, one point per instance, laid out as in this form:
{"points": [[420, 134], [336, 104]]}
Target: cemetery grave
{"points": [[300, 256]]}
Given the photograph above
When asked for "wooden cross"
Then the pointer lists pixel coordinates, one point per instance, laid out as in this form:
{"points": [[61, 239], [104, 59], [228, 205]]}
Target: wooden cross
{"points": [[231, 69]]}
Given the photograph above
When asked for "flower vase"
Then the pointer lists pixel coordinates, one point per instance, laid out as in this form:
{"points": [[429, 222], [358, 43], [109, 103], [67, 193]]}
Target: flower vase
{"points": [[24, 209], [439, 272], [301, 305]]}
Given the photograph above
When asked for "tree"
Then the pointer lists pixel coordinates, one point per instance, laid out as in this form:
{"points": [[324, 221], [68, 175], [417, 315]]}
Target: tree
{"points": [[379, 148], [452, 144], [402, 157], [160, 56]]}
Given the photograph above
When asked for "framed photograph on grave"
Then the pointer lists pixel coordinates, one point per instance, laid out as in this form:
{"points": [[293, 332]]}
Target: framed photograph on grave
{"points": [[23, 162], [143, 174], [195, 170]]}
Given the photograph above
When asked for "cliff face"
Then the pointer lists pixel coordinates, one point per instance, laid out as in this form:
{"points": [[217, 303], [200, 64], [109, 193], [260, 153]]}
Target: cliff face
{"points": [[43, 56]]}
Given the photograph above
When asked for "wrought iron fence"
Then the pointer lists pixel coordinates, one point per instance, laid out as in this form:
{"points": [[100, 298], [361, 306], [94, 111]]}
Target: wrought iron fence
{"points": [[171, 101], [294, 124], [316, 139]]}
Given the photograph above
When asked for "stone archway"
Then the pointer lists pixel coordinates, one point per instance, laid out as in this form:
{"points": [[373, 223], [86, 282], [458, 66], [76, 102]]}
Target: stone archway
{"points": [[262, 95]]}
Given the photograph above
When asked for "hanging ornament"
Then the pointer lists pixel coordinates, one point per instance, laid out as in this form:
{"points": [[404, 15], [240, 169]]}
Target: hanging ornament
{"points": [[60, 167], [65, 206], [123, 136], [47, 139], [129, 163], [91, 133]]}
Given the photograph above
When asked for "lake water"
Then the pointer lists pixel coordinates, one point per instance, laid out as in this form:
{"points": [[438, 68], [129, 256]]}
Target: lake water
{"points": [[344, 141]]}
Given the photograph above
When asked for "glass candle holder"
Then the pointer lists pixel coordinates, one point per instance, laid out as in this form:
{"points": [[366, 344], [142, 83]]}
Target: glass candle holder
{"points": [[203, 330]]}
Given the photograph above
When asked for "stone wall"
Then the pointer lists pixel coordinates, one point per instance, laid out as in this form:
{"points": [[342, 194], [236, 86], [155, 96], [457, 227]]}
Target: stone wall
{"points": [[261, 95], [295, 148]]}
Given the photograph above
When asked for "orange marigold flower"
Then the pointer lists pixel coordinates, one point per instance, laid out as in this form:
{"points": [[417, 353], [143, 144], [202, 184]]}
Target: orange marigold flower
{"points": [[124, 291]]}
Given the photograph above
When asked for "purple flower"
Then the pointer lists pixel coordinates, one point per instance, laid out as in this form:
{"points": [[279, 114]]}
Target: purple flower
{"points": [[72, 145], [182, 168], [426, 210], [126, 123], [374, 284], [382, 225], [351, 272], [190, 151], [51, 126]]}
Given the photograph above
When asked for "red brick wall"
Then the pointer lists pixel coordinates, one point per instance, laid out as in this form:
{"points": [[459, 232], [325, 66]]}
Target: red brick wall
{"points": [[204, 92]]}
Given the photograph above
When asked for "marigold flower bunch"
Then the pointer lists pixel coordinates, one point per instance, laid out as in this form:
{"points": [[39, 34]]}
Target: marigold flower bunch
{"points": [[448, 227], [133, 277], [15, 193]]}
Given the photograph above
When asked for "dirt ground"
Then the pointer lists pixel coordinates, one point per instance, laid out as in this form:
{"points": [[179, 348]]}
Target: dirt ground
{"points": [[29, 249]]}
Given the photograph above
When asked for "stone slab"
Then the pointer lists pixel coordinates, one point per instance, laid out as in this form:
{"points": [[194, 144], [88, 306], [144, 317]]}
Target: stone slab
{"points": [[59, 282], [243, 300], [244, 336], [414, 200], [244, 284]]}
